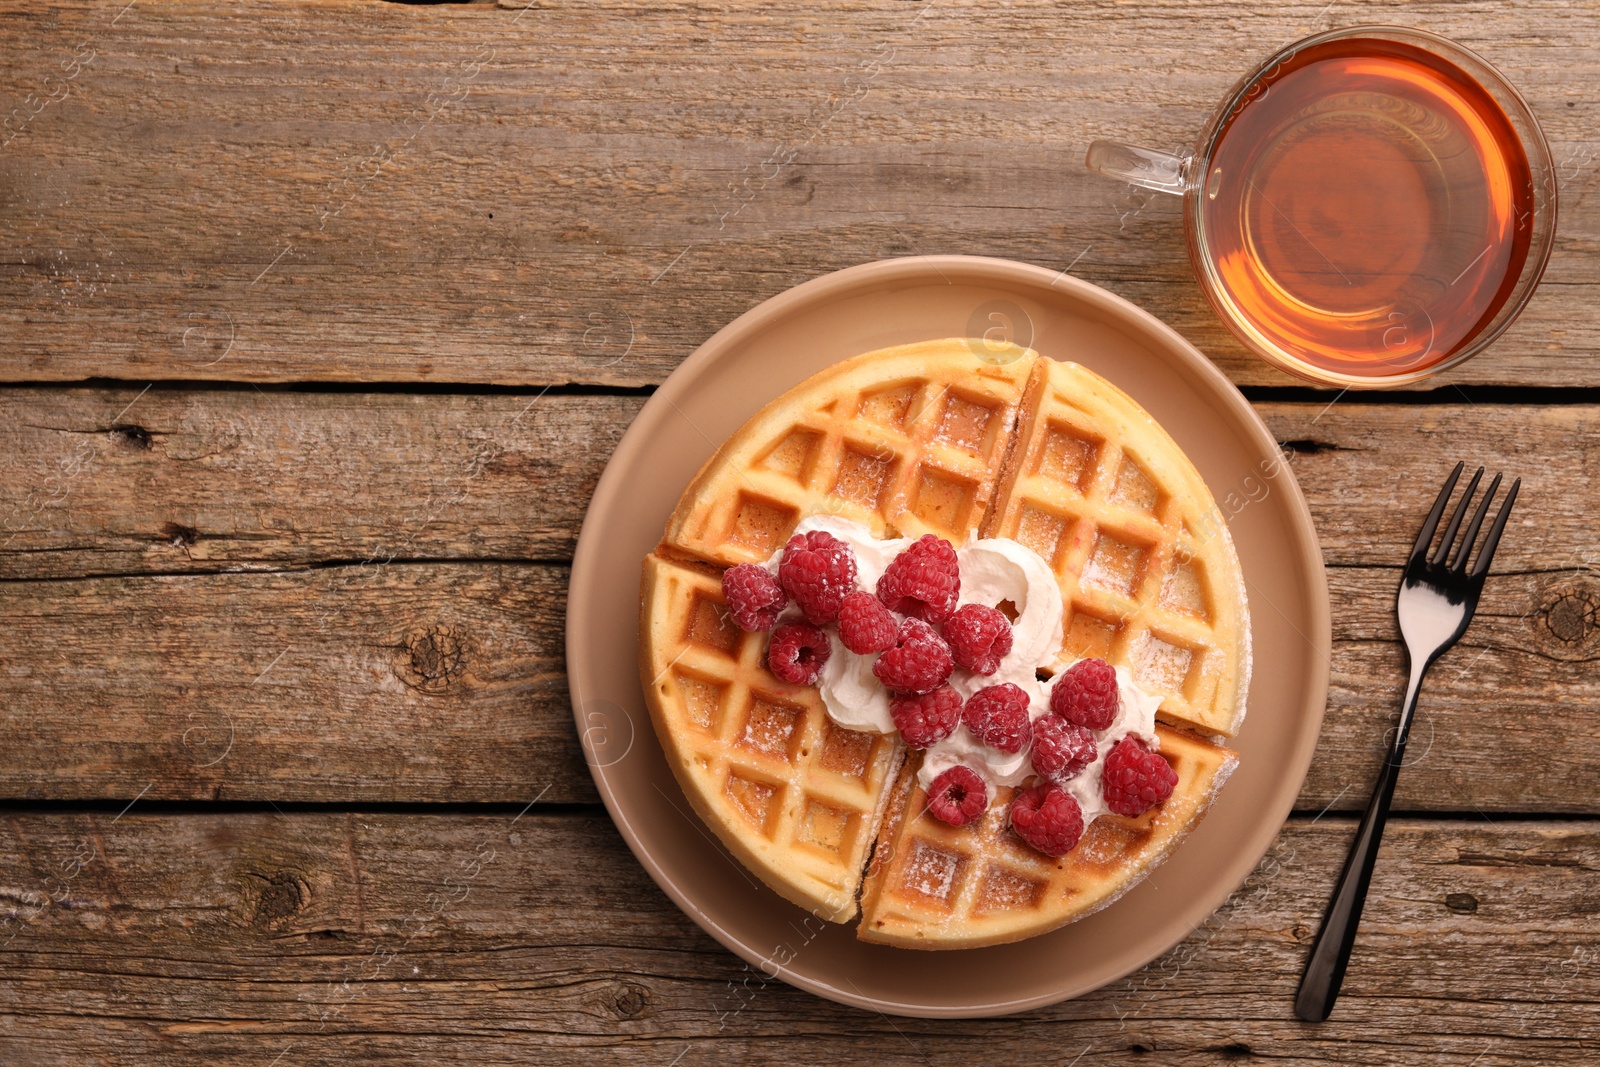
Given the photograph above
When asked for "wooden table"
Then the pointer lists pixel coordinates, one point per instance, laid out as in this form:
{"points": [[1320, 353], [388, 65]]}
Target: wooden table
{"points": [[321, 320]]}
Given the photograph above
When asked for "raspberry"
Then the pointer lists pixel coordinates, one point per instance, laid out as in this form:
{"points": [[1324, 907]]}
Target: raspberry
{"points": [[979, 637], [1047, 818], [755, 599], [924, 719], [998, 716], [958, 796], [919, 662], [1061, 749], [1136, 779], [865, 625], [923, 581], [1086, 693], [818, 571], [796, 652]]}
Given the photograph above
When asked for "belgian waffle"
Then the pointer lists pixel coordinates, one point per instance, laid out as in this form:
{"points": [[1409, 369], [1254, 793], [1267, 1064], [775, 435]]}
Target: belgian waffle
{"points": [[1147, 569], [794, 796], [936, 886], [908, 439], [930, 438]]}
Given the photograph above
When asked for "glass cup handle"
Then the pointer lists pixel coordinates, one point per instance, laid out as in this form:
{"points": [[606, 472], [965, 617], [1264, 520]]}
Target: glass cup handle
{"points": [[1139, 166]]}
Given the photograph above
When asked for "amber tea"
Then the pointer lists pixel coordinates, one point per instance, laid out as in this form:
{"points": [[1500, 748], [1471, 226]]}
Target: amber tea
{"points": [[1369, 206], [1366, 207]]}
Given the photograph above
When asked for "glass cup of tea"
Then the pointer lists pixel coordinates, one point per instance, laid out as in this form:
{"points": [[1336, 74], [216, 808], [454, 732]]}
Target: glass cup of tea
{"points": [[1369, 207]]}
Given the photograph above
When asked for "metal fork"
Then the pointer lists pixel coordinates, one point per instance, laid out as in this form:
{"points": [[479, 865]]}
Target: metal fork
{"points": [[1437, 598]]}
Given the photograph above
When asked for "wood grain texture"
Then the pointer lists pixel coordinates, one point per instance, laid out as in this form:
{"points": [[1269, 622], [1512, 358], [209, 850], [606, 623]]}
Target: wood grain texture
{"points": [[444, 682], [125, 481], [414, 590], [378, 681], [218, 592], [382, 938], [366, 192]]}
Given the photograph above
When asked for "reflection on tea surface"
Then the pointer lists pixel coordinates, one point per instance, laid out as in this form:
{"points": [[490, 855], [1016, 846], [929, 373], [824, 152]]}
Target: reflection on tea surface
{"points": [[1367, 207]]}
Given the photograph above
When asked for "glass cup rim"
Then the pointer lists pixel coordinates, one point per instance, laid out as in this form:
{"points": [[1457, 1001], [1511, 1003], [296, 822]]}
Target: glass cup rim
{"points": [[1528, 130]]}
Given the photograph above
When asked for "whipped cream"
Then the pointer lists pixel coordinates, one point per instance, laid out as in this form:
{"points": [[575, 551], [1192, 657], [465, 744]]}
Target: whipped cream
{"points": [[994, 571], [997, 570], [1136, 714], [854, 697]]}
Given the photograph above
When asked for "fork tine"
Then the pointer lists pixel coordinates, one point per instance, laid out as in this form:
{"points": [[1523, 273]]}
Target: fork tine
{"points": [[1432, 523], [1459, 564], [1447, 542], [1486, 554]]}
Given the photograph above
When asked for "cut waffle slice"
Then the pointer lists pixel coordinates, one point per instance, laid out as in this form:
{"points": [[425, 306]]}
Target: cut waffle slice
{"points": [[795, 797], [935, 886], [1146, 565], [907, 440]]}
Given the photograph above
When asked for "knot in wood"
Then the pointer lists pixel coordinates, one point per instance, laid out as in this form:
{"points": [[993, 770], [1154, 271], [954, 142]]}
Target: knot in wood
{"points": [[134, 437], [629, 1000], [283, 894], [434, 657], [1570, 613], [179, 536]]}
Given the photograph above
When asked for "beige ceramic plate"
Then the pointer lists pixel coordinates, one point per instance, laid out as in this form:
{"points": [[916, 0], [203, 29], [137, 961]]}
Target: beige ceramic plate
{"points": [[784, 341]]}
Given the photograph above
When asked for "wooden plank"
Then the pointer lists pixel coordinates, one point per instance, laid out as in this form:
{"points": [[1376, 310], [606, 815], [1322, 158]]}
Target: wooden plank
{"points": [[375, 681], [1370, 471], [583, 194], [377, 938], [444, 682], [1513, 703], [119, 481], [170, 669]]}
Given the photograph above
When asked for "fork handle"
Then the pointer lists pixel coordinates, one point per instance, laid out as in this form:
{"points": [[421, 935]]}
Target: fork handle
{"points": [[1319, 986]]}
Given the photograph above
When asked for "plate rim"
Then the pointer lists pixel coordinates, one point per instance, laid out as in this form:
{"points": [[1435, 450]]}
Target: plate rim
{"points": [[1013, 276]]}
